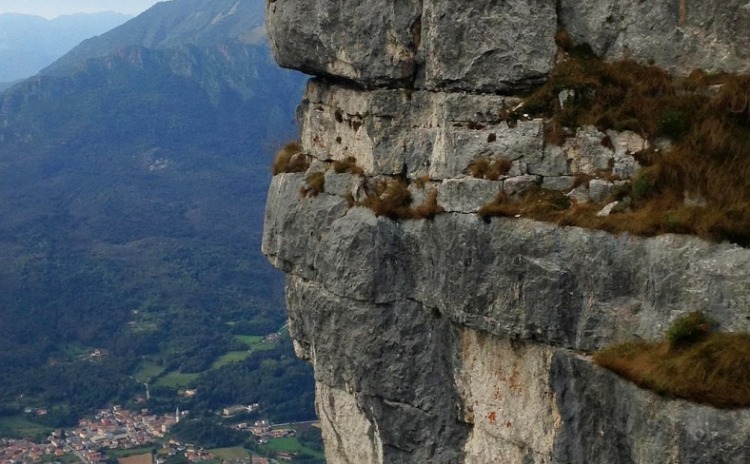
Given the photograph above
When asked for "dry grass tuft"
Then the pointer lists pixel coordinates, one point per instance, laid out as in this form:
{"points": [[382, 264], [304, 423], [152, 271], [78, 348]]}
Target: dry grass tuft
{"points": [[349, 165], [290, 158], [429, 208], [537, 203], [421, 181], [704, 367], [314, 184], [483, 168], [391, 198]]}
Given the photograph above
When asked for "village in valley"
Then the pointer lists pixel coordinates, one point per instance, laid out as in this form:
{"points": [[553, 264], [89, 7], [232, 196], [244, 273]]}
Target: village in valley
{"points": [[118, 429], [125, 436]]}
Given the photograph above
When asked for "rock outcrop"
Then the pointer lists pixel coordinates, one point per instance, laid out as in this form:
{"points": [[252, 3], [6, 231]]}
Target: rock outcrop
{"points": [[462, 340]]}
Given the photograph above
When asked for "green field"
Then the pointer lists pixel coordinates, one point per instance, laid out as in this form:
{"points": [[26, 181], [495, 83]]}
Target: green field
{"points": [[263, 346], [176, 380], [289, 445], [228, 358], [20, 426], [148, 371], [253, 343], [73, 351], [248, 340], [229, 454]]}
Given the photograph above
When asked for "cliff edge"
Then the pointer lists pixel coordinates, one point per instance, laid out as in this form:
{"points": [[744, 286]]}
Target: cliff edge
{"points": [[456, 338]]}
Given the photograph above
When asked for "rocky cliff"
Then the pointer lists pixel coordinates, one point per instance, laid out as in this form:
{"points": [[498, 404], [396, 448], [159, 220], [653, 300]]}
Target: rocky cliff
{"points": [[458, 339]]}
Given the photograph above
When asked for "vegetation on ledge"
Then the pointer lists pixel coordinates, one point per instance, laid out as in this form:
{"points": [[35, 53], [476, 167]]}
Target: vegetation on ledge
{"points": [[692, 362], [700, 186], [291, 158], [391, 198]]}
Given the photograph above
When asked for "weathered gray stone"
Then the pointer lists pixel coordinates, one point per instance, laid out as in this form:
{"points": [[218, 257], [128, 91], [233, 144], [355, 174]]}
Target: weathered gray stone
{"points": [[600, 189], [562, 183], [607, 419], [285, 237], [608, 208], [552, 161], [447, 131], [512, 278], [626, 144], [494, 46], [371, 43], [579, 195], [520, 184], [587, 154], [467, 195], [455, 149], [342, 184], [678, 35], [365, 357]]}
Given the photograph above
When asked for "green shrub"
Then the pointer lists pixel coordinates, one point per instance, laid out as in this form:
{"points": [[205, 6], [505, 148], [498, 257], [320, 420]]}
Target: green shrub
{"points": [[673, 124], [688, 329], [643, 186]]}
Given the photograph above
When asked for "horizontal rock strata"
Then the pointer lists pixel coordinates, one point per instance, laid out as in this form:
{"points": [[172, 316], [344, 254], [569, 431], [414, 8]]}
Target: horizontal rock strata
{"points": [[459, 339]]}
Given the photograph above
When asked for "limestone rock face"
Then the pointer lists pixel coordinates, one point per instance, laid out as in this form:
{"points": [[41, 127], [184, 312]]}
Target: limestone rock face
{"points": [[453, 340], [486, 45], [499, 46], [372, 43], [679, 35], [462, 340]]}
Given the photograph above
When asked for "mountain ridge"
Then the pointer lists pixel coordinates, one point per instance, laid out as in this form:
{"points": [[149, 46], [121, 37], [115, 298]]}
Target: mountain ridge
{"points": [[29, 43], [170, 24]]}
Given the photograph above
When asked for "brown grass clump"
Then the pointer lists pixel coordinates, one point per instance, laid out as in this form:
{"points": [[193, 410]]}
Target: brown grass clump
{"points": [[290, 158], [539, 204], [483, 168], [704, 367], [429, 208], [707, 118], [391, 198], [348, 165], [314, 184], [421, 181]]}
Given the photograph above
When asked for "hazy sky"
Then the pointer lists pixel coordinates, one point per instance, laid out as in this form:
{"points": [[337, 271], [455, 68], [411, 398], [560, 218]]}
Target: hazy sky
{"points": [[53, 8]]}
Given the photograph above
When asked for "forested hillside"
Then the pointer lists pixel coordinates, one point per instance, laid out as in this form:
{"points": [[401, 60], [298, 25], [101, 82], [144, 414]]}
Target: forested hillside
{"points": [[132, 185]]}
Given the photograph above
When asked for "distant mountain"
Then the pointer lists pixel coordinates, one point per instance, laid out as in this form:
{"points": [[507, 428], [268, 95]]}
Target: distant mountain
{"points": [[174, 24], [133, 174], [29, 43]]}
